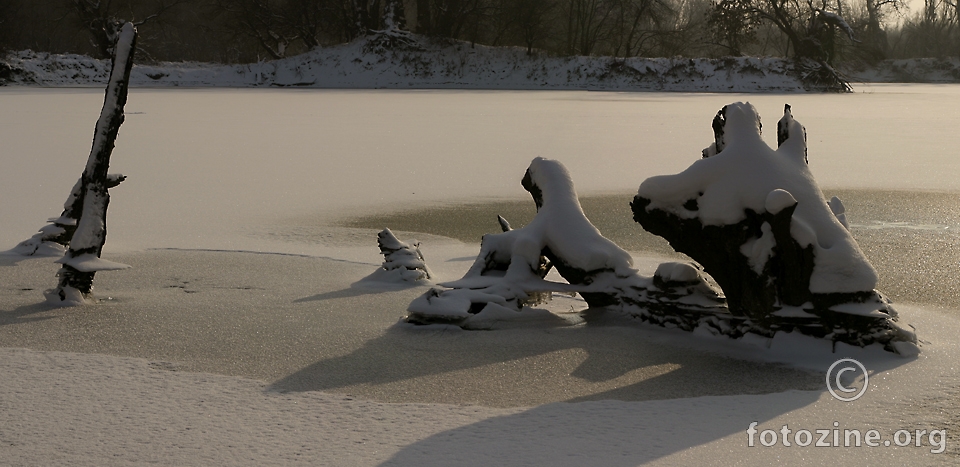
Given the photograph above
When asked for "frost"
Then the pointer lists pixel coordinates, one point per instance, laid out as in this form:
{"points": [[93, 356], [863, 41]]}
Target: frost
{"points": [[67, 296], [677, 272]]}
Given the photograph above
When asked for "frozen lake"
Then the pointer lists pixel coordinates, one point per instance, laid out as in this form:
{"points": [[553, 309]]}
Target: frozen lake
{"points": [[158, 372], [269, 169]]}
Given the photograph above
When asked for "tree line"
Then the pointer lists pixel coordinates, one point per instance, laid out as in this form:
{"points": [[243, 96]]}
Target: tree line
{"points": [[239, 31]]}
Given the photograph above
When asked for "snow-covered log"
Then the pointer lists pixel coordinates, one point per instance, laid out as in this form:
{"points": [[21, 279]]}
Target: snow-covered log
{"points": [[82, 259], [509, 273], [402, 261], [756, 220]]}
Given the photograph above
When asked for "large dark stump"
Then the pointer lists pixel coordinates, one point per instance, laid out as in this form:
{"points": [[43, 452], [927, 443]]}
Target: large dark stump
{"points": [[757, 222]]}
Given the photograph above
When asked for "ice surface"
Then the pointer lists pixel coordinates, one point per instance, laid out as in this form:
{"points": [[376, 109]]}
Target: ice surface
{"points": [[215, 125], [194, 191]]}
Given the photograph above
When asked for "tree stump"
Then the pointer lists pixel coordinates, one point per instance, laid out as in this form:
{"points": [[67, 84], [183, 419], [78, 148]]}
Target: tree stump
{"points": [[756, 220], [510, 270]]}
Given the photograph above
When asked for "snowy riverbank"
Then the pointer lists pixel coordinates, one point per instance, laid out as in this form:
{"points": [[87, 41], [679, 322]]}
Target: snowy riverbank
{"points": [[424, 63]]}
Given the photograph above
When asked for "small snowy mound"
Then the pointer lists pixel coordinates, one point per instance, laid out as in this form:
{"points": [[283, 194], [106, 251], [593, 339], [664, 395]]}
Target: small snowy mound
{"points": [[402, 262], [756, 219]]}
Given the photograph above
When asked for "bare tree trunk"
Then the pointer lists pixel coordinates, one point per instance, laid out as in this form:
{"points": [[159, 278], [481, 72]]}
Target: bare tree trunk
{"points": [[82, 260], [423, 17]]}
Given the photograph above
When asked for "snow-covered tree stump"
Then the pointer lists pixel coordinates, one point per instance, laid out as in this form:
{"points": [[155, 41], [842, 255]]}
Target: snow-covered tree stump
{"points": [[82, 260], [509, 273], [402, 261], [756, 220]]}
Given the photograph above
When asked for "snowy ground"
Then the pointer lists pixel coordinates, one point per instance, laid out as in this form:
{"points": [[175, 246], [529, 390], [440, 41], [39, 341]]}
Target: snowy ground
{"points": [[265, 352]]}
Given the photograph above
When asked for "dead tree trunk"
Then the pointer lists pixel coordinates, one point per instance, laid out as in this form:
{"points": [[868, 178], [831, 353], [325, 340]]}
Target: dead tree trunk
{"points": [[82, 259]]}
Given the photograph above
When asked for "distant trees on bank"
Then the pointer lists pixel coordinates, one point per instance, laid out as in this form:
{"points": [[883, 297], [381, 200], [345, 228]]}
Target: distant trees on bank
{"points": [[232, 31]]}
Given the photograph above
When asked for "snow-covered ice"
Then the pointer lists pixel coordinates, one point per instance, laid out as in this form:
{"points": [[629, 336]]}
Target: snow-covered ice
{"points": [[262, 353]]}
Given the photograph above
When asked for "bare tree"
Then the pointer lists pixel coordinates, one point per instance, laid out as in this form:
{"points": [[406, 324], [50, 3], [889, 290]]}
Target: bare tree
{"points": [[82, 260], [634, 23], [732, 28], [586, 24], [102, 18], [875, 37], [531, 18], [810, 29], [262, 20]]}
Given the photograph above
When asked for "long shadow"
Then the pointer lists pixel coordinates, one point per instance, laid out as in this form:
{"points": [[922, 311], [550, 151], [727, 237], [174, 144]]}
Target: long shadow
{"points": [[358, 289], [11, 259], [405, 352], [693, 402], [24, 314], [604, 433]]}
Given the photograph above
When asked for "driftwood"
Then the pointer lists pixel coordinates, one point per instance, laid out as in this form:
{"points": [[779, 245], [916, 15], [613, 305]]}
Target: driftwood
{"points": [[509, 273], [767, 293], [772, 263], [89, 199]]}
